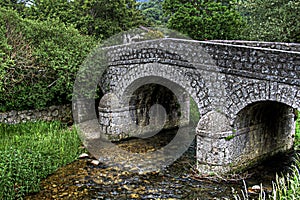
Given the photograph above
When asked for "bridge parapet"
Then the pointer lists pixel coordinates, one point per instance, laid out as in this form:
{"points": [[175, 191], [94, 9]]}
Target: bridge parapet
{"points": [[268, 45]]}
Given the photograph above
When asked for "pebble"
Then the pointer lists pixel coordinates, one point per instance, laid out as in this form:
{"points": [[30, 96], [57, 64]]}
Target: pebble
{"points": [[134, 196], [255, 189], [95, 162], [84, 155]]}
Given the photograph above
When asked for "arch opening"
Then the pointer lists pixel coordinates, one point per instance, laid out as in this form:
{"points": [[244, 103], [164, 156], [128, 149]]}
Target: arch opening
{"points": [[150, 94], [181, 110], [262, 129]]}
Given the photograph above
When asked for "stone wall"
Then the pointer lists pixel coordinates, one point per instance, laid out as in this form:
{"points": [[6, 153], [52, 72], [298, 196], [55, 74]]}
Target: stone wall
{"points": [[61, 113]]}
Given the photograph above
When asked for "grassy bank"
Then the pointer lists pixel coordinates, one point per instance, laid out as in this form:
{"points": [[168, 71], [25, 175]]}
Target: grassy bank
{"points": [[297, 137], [31, 151]]}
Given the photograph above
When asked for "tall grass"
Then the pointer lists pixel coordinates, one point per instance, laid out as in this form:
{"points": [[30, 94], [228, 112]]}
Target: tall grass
{"points": [[284, 188], [288, 187], [297, 135], [31, 151]]}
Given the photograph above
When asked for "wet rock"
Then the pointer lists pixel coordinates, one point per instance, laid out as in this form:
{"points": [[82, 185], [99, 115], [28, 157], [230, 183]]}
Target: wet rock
{"points": [[84, 155], [95, 162], [255, 189]]}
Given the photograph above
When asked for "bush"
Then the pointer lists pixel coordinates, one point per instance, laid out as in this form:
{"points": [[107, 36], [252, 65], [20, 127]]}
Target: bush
{"points": [[204, 20], [39, 61]]}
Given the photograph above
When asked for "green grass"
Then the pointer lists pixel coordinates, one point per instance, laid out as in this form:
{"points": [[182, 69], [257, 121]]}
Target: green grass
{"points": [[288, 187], [297, 134], [31, 151]]}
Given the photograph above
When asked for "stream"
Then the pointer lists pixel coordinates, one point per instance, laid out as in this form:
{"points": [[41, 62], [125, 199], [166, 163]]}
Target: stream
{"points": [[83, 180]]}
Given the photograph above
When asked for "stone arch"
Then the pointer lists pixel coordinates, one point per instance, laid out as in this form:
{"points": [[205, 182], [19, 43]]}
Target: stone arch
{"points": [[171, 77], [247, 91], [179, 61], [262, 129]]}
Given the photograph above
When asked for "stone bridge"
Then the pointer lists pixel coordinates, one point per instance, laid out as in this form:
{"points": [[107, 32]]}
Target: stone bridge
{"points": [[247, 95]]}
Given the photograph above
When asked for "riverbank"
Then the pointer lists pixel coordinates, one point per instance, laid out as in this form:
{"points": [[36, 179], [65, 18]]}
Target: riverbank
{"points": [[29, 152]]}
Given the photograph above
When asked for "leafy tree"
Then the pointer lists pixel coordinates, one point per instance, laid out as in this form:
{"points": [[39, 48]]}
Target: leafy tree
{"points": [[272, 20], [204, 20], [100, 18], [153, 11], [18, 5]]}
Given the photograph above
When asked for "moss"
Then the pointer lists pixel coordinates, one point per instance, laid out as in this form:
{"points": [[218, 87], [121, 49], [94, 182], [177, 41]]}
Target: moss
{"points": [[230, 137]]}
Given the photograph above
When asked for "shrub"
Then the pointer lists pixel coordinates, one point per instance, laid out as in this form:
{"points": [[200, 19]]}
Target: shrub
{"points": [[39, 61]]}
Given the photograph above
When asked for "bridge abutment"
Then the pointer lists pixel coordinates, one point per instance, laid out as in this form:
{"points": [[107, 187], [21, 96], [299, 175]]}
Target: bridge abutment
{"points": [[214, 144]]}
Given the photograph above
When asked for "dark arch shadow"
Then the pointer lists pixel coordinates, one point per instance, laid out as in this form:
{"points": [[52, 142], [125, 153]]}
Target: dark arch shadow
{"points": [[263, 129]]}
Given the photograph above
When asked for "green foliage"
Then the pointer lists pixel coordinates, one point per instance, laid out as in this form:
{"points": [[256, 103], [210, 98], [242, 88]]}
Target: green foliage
{"points": [[288, 187], [99, 18], [203, 20], [272, 20], [230, 137], [39, 61], [284, 188], [194, 112], [16, 5], [31, 151], [152, 10]]}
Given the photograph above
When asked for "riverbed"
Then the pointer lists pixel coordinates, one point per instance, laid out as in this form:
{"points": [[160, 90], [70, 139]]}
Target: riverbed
{"points": [[84, 180]]}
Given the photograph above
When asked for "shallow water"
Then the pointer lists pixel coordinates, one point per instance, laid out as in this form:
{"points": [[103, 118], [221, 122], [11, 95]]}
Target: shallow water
{"points": [[82, 180]]}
